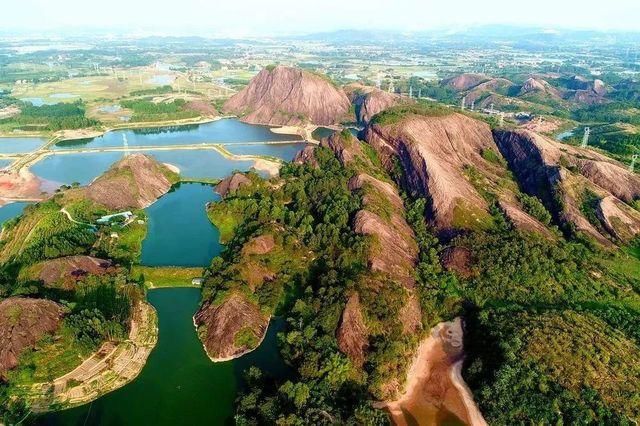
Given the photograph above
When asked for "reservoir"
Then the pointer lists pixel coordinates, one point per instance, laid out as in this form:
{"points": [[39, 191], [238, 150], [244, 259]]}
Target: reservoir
{"points": [[11, 210], [19, 145], [179, 385], [225, 130], [179, 232]]}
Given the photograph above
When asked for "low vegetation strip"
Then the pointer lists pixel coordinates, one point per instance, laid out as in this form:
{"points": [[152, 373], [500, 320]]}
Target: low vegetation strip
{"points": [[111, 367], [170, 276]]}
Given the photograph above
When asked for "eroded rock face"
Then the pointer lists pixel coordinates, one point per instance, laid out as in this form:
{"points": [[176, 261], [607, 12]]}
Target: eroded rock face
{"points": [[352, 334], [458, 260], [66, 271], [231, 328], [306, 156], [464, 82], [369, 101], [134, 182], [22, 323], [620, 220], [434, 152], [259, 245], [559, 174], [231, 184], [289, 96]]}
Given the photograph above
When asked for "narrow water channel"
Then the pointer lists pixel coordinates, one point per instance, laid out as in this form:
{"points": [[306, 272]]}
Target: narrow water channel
{"points": [[179, 385]]}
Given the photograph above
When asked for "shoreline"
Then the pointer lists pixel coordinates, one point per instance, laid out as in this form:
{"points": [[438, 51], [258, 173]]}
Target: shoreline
{"points": [[236, 356], [101, 373]]}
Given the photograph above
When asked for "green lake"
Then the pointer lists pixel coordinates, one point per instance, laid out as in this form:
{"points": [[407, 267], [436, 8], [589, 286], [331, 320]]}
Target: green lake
{"points": [[179, 385]]}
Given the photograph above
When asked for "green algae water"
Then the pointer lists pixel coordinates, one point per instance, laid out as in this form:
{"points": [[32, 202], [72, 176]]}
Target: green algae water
{"points": [[178, 385]]}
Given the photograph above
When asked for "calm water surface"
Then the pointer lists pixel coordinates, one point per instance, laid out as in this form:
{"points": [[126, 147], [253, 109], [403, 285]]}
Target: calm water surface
{"points": [[19, 145], [225, 130]]}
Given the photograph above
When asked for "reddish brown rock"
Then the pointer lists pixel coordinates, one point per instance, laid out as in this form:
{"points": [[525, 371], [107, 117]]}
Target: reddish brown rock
{"points": [[559, 174], [368, 101], [458, 260], [289, 96], [218, 326], [232, 184], [22, 323], [463, 82], [66, 271], [352, 334], [259, 245], [306, 156], [434, 152], [620, 220], [134, 182]]}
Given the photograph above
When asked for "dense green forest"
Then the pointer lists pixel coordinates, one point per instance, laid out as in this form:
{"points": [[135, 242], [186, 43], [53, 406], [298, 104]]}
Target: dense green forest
{"points": [[50, 117], [551, 323], [147, 110]]}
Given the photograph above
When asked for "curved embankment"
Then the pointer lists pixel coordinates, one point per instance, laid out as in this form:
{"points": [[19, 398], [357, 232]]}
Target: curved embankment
{"points": [[110, 368], [435, 391]]}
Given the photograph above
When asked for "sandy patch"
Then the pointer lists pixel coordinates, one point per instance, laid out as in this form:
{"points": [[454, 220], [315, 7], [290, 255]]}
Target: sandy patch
{"points": [[173, 168], [20, 185], [272, 168], [67, 135], [435, 391]]}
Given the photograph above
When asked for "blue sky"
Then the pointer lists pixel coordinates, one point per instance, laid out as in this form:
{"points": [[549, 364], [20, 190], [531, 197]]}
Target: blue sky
{"points": [[277, 17]]}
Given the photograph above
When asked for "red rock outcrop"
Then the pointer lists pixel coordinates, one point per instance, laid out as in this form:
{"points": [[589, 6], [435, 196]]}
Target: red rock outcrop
{"points": [[218, 326], [66, 271], [352, 334], [134, 182], [22, 323], [559, 174], [464, 82], [232, 184], [619, 220], [289, 96], [369, 101], [434, 151], [262, 244], [458, 260]]}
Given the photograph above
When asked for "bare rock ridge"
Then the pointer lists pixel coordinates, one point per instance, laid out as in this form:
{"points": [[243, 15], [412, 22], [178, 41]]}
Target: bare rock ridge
{"points": [[463, 82], [22, 323], [65, 271], [438, 154], [289, 96], [352, 334], [368, 101], [560, 174], [136, 181], [231, 328], [231, 184]]}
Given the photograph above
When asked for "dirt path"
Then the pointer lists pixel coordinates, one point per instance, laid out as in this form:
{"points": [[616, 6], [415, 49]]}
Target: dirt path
{"points": [[110, 368], [435, 391]]}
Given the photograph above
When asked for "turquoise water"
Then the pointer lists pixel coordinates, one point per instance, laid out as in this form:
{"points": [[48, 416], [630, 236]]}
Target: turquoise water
{"points": [[9, 211], [285, 152], [179, 232], [19, 145], [201, 163], [69, 168], [4, 163], [226, 130]]}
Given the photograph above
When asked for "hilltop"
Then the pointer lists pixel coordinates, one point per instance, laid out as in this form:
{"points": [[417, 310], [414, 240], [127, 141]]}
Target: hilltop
{"points": [[282, 95]]}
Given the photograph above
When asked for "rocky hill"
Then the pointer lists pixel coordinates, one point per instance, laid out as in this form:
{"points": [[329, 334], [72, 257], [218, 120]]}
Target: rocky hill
{"points": [[64, 272], [289, 96], [231, 328], [22, 323], [368, 101], [462, 167], [134, 182], [463, 82]]}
